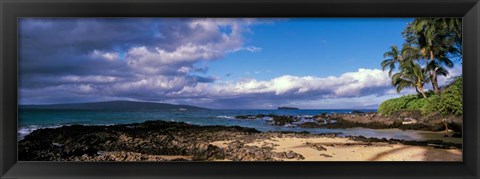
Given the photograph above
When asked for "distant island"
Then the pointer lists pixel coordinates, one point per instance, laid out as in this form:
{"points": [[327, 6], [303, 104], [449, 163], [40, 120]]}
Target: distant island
{"points": [[114, 105], [287, 108]]}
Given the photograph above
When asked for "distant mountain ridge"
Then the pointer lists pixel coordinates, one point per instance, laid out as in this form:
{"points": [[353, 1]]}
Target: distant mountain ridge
{"points": [[114, 105]]}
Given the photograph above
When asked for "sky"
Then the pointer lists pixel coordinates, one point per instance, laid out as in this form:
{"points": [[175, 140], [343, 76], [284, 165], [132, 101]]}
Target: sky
{"points": [[221, 63]]}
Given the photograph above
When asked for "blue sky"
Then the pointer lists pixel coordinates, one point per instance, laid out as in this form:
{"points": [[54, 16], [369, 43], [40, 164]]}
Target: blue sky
{"points": [[313, 46], [314, 63]]}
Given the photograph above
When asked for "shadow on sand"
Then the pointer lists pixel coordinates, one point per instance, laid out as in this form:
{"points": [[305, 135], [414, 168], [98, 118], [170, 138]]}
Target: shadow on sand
{"points": [[429, 154]]}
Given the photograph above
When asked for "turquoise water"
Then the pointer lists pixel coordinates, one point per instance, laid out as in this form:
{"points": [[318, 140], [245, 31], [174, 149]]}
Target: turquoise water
{"points": [[32, 119]]}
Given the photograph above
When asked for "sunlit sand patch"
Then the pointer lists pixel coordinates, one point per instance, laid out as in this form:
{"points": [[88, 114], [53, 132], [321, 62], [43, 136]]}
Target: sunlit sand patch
{"points": [[222, 143], [344, 149], [173, 157]]}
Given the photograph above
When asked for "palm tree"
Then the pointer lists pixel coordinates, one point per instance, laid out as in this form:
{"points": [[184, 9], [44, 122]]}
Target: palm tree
{"points": [[393, 57], [411, 75], [429, 41], [454, 30], [427, 33], [438, 69], [441, 71], [436, 38], [411, 53]]}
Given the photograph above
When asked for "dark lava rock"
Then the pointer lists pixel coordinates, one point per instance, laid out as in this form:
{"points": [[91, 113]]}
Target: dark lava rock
{"points": [[357, 112], [318, 147], [282, 120], [293, 155], [246, 117], [238, 151], [289, 155], [210, 153], [309, 125], [417, 126], [429, 122], [149, 141], [326, 155], [117, 156], [416, 114], [149, 138], [265, 115]]}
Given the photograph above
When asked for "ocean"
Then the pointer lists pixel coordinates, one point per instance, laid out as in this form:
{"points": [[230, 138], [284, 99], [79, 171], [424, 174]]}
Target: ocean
{"points": [[33, 119]]}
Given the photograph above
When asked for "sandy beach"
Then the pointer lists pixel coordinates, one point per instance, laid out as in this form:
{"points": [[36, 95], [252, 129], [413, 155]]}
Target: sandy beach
{"points": [[174, 141], [344, 149]]}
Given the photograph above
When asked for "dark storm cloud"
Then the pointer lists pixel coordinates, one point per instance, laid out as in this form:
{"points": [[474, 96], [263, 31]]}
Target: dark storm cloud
{"points": [[138, 58], [58, 47]]}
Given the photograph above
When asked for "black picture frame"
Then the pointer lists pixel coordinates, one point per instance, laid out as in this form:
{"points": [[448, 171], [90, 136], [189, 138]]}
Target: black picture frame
{"points": [[13, 9]]}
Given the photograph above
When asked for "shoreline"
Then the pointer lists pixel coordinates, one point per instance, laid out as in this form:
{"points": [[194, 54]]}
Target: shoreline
{"points": [[178, 141], [403, 120]]}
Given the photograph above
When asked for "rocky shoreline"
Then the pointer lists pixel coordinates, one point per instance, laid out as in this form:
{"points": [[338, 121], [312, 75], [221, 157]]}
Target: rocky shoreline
{"points": [[404, 120], [175, 141], [145, 141]]}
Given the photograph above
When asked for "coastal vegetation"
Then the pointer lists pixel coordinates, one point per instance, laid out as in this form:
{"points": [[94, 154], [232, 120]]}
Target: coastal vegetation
{"points": [[430, 48], [448, 101]]}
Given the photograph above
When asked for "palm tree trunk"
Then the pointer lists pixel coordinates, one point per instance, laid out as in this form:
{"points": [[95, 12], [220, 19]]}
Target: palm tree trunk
{"points": [[416, 89], [435, 85], [420, 88], [434, 75]]}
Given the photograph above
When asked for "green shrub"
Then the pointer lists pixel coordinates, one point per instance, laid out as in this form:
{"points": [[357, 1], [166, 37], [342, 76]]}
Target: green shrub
{"points": [[449, 102], [431, 104], [416, 104], [451, 99], [391, 106]]}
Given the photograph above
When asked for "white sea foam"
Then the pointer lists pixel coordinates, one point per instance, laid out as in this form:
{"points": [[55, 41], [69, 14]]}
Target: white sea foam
{"points": [[24, 131], [268, 118], [226, 117]]}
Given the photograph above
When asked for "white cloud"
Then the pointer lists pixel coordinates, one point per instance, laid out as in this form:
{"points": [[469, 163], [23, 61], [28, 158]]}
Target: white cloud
{"points": [[359, 83], [105, 55], [85, 89], [157, 85], [252, 49], [203, 40], [89, 79]]}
